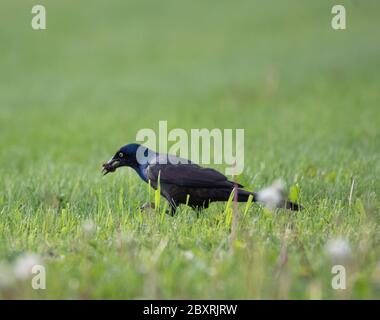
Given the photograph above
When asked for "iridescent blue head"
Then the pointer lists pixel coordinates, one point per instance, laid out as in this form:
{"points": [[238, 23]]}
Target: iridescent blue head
{"points": [[131, 155]]}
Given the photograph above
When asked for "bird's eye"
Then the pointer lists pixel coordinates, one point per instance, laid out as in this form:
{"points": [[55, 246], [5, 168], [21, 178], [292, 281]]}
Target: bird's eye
{"points": [[121, 155]]}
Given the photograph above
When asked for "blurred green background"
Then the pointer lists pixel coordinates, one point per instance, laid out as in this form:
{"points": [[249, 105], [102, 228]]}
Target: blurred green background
{"points": [[307, 96]]}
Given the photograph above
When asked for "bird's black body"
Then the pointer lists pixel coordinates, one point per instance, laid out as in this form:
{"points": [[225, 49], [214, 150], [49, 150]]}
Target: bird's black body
{"points": [[181, 181], [190, 184]]}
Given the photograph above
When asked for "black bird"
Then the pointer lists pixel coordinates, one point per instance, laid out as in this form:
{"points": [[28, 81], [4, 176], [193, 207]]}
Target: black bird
{"points": [[181, 181]]}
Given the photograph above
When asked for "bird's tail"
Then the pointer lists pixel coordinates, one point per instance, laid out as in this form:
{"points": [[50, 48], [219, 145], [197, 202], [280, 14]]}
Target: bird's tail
{"points": [[286, 204]]}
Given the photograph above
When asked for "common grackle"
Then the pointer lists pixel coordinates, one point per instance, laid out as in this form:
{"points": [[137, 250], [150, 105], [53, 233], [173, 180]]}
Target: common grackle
{"points": [[181, 181]]}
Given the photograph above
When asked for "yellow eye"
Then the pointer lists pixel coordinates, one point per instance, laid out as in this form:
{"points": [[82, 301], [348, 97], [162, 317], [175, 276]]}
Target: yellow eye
{"points": [[121, 155]]}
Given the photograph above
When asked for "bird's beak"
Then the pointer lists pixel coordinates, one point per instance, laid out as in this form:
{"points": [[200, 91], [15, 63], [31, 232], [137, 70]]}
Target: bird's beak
{"points": [[110, 166]]}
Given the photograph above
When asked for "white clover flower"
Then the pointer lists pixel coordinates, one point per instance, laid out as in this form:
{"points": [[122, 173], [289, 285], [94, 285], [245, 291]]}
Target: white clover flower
{"points": [[88, 226], [273, 196], [189, 255], [23, 265], [338, 249]]}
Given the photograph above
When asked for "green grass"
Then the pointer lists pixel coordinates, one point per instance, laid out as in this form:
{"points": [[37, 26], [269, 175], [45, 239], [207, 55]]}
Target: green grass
{"points": [[307, 97]]}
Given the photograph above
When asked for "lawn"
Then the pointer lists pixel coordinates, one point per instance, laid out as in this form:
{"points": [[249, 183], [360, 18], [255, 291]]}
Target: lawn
{"points": [[306, 95]]}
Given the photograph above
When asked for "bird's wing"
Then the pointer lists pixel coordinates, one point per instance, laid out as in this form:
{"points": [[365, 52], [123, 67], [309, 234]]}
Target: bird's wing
{"points": [[188, 175]]}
